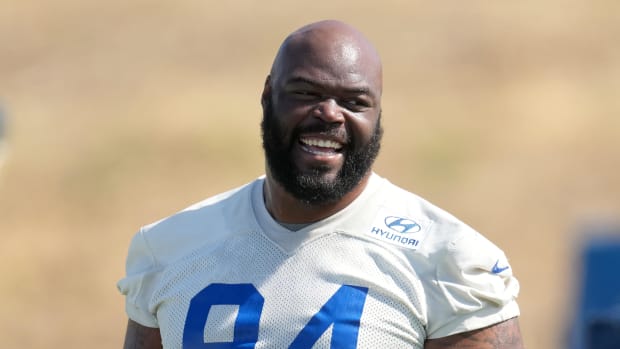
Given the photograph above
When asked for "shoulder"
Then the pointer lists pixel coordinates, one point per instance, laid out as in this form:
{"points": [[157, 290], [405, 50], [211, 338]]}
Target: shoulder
{"points": [[407, 223], [437, 227], [198, 224], [158, 245], [467, 279], [448, 241]]}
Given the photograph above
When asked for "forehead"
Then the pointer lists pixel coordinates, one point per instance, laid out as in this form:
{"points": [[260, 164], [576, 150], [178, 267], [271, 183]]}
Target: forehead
{"points": [[328, 58]]}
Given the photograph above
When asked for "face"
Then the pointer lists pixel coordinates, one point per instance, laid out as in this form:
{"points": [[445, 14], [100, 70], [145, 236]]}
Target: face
{"points": [[321, 125], [325, 174]]}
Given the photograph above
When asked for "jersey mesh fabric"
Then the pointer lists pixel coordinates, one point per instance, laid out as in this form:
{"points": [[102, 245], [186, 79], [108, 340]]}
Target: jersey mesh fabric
{"points": [[443, 284], [295, 287]]}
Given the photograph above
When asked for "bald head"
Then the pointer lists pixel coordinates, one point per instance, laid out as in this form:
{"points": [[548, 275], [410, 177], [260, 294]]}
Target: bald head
{"points": [[321, 119], [330, 49]]}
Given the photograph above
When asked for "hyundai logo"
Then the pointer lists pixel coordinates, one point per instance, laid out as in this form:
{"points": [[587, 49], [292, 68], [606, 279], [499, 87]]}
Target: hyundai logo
{"points": [[402, 225]]}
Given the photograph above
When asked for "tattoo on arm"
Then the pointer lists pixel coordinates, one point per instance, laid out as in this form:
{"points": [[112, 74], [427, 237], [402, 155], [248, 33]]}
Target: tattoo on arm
{"points": [[504, 335], [141, 337]]}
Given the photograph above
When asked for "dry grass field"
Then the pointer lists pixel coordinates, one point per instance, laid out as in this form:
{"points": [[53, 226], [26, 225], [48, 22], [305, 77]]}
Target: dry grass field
{"points": [[507, 114]]}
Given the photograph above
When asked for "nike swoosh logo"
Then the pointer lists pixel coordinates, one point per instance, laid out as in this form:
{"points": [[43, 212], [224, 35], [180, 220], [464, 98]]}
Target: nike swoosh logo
{"points": [[497, 269]]}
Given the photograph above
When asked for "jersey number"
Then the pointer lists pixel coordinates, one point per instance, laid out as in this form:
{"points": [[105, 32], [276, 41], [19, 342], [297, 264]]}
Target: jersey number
{"points": [[343, 310]]}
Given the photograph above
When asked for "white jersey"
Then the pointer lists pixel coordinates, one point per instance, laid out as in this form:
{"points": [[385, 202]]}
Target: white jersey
{"points": [[388, 271]]}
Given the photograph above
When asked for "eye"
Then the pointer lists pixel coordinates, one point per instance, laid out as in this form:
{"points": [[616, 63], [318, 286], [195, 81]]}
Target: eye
{"points": [[355, 104], [305, 94]]}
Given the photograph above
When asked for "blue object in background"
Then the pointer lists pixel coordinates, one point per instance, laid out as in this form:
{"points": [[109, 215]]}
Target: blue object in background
{"points": [[597, 321], [603, 332]]}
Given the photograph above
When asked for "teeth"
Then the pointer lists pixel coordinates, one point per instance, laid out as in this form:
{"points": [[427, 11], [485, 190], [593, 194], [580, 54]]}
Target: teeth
{"points": [[323, 143]]}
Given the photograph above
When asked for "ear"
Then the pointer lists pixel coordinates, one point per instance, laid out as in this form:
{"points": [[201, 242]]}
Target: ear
{"points": [[264, 98]]}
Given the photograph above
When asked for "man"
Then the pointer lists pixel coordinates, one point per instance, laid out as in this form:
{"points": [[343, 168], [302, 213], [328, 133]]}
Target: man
{"points": [[321, 252]]}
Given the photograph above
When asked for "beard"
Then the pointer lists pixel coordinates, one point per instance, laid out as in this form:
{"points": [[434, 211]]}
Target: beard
{"points": [[314, 187]]}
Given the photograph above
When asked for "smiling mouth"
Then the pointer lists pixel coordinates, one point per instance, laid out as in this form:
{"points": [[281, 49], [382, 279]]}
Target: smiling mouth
{"points": [[320, 146]]}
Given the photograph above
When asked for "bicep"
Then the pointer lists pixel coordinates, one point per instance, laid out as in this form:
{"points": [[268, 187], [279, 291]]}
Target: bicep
{"points": [[504, 335], [142, 337]]}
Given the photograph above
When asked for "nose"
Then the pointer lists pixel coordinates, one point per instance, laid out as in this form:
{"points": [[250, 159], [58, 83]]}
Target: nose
{"points": [[329, 111]]}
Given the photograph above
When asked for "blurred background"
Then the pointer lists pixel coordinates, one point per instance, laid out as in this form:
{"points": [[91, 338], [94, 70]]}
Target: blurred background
{"points": [[118, 113]]}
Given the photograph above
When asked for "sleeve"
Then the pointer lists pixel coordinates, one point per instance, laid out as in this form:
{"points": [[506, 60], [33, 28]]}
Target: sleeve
{"points": [[137, 286], [474, 287]]}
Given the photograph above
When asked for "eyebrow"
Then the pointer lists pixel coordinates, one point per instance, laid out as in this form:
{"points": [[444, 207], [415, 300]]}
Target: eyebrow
{"points": [[358, 90]]}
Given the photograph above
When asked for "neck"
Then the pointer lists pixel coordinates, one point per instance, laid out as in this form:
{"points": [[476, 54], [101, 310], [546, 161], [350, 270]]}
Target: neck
{"points": [[285, 208]]}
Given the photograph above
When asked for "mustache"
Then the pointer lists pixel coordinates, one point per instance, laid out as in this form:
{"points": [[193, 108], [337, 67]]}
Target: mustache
{"points": [[329, 130]]}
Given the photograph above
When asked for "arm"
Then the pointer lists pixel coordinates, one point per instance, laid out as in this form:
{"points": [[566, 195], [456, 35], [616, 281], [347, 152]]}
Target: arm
{"points": [[142, 337], [504, 335]]}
